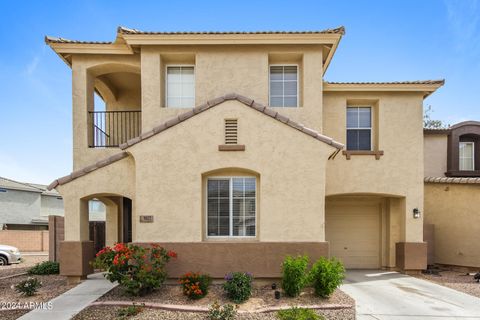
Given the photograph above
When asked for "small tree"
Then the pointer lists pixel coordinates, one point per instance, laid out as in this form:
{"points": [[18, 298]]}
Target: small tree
{"points": [[429, 123]]}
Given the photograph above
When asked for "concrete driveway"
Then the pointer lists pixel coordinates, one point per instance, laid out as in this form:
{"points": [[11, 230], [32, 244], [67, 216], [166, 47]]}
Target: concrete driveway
{"points": [[390, 295]]}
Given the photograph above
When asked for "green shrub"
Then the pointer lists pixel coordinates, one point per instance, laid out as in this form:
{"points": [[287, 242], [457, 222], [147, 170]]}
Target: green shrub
{"points": [[46, 267], [28, 287], [217, 312], [294, 275], [139, 270], [326, 275], [195, 285], [295, 313], [238, 286], [130, 311]]}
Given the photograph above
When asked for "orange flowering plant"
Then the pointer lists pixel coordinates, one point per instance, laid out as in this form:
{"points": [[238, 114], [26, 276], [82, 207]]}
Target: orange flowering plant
{"points": [[195, 285], [139, 270]]}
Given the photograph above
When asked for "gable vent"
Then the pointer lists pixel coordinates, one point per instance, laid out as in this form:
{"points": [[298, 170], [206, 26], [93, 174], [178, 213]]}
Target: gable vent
{"points": [[231, 131]]}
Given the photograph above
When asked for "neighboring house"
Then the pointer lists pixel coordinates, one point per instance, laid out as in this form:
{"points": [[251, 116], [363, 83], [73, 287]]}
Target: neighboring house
{"points": [[452, 192], [230, 148], [26, 206]]}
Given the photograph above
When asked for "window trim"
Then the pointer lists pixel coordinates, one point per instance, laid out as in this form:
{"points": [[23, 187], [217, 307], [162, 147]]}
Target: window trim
{"points": [[370, 128], [166, 84], [473, 155], [270, 86], [230, 208]]}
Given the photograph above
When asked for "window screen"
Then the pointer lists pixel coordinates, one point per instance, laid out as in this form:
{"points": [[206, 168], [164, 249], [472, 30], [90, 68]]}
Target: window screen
{"points": [[359, 128]]}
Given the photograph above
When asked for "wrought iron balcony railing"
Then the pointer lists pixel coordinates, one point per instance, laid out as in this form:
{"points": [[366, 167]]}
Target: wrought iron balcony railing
{"points": [[112, 128]]}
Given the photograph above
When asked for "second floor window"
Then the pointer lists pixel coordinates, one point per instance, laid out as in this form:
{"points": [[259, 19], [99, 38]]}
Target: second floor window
{"points": [[359, 128], [180, 87], [466, 156], [284, 86]]}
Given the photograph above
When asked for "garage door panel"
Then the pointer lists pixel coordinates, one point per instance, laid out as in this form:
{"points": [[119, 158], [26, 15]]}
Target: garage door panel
{"points": [[354, 234]]}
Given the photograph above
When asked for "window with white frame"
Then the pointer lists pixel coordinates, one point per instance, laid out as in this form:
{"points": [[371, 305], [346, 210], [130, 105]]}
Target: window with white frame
{"points": [[231, 207], [466, 156], [180, 87], [284, 86], [359, 128]]}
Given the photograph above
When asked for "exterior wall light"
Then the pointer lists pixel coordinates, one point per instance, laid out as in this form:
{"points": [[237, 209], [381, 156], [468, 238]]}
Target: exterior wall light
{"points": [[416, 213]]}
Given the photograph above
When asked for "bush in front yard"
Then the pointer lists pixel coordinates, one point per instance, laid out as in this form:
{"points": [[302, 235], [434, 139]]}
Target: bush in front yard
{"points": [[218, 312], [294, 275], [238, 286], [46, 267], [195, 285], [28, 287], [296, 313], [326, 275], [139, 270]]}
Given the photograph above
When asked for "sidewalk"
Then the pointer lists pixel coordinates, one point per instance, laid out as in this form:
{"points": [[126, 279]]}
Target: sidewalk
{"points": [[73, 301]]}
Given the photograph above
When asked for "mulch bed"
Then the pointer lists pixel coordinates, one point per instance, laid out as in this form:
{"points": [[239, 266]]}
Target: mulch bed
{"points": [[455, 280], [108, 312]]}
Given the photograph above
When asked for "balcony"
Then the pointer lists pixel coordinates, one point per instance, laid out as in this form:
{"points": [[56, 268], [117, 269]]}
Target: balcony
{"points": [[109, 129]]}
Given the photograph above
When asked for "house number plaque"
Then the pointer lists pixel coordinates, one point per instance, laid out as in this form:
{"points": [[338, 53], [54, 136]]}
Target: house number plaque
{"points": [[146, 219]]}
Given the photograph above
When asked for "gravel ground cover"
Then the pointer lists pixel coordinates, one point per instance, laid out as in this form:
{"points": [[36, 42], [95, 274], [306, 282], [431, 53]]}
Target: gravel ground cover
{"points": [[108, 312], [52, 286], [455, 280], [12, 314], [27, 262], [262, 296]]}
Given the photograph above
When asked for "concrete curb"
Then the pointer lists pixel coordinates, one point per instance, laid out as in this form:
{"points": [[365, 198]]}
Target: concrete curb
{"points": [[185, 308]]}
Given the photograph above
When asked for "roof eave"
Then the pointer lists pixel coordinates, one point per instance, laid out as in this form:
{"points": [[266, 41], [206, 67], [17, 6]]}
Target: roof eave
{"points": [[426, 89]]}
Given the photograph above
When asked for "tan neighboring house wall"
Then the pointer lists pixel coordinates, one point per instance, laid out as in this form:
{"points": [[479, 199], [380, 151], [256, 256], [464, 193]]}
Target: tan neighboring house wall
{"points": [[435, 151], [451, 203], [296, 155]]}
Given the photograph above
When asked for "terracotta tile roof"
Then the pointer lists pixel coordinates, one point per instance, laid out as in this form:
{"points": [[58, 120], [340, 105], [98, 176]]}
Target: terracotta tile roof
{"points": [[49, 39], [242, 99], [451, 180], [339, 30], [436, 130], [189, 114], [439, 81], [99, 164]]}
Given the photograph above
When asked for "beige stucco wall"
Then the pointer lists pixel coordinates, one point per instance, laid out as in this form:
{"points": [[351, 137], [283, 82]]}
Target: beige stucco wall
{"points": [[117, 179], [170, 169], [454, 211], [399, 172], [218, 70], [435, 150]]}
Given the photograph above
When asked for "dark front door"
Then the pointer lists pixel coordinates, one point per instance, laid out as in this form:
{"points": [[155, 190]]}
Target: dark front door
{"points": [[127, 220], [97, 234]]}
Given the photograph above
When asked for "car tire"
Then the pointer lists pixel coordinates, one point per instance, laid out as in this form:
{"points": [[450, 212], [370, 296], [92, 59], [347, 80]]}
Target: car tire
{"points": [[3, 261]]}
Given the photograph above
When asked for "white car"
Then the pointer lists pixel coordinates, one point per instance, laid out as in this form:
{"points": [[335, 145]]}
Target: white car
{"points": [[9, 255]]}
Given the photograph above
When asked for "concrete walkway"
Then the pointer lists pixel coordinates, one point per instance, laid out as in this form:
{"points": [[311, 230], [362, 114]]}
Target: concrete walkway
{"points": [[385, 295], [68, 304]]}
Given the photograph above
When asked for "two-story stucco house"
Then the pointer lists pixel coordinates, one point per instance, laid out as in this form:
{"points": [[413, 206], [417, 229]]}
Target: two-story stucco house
{"points": [[452, 188], [232, 149]]}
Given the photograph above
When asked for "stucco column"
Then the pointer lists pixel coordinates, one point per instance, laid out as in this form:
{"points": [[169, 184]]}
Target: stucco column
{"points": [[312, 87], [152, 90], [82, 102], [111, 223], [76, 219]]}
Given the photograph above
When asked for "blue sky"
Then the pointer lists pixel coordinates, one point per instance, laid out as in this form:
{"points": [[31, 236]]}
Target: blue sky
{"points": [[384, 41]]}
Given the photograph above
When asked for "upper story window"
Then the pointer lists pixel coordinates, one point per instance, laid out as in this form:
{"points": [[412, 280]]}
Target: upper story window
{"points": [[180, 87], [231, 207], [359, 128], [466, 156], [283, 86]]}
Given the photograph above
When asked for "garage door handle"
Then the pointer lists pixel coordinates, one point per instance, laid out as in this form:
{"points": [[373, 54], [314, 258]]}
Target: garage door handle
{"points": [[345, 248]]}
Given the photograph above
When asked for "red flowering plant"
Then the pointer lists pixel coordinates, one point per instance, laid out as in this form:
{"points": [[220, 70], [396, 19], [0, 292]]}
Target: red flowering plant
{"points": [[195, 285], [139, 270]]}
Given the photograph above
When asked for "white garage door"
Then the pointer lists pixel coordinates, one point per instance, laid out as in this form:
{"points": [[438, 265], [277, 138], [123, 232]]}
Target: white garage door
{"points": [[353, 232]]}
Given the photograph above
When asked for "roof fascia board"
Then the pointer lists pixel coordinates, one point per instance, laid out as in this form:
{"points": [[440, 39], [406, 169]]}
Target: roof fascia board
{"points": [[215, 39], [83, 48], [427, 89]]}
